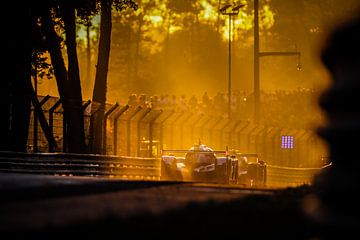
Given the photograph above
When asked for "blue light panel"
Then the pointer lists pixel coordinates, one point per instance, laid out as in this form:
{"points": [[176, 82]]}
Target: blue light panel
{"points": [[287, 142]]}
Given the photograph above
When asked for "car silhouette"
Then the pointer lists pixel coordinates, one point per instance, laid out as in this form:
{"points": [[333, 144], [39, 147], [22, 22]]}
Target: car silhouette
{"points": [[203, 164]]}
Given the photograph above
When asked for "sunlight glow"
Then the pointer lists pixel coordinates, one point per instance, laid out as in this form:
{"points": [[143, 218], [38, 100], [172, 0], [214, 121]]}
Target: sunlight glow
{"points": [[162, 21], [267, 17], [209, 12], [155, 20], [245, 22]]}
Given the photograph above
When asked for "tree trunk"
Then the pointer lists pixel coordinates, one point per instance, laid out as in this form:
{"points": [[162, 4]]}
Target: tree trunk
{"points": [[88, 57], [20, 70], [64, 88], [5, 104], [99, 93], [74, 115], [57, 61]]}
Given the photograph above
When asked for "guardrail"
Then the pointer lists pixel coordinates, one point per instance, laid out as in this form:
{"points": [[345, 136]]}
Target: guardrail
{"points": [[286, 176], [121, 167], [81, 165]]}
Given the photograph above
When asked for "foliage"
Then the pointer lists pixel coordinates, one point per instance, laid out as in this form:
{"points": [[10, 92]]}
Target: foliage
{"points": [[40, 66], [120, 5], [182, 6], [87, 9]]}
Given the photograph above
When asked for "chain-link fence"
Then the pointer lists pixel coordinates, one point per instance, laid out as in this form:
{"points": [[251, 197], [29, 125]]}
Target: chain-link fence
{"points": [[143, 132]]}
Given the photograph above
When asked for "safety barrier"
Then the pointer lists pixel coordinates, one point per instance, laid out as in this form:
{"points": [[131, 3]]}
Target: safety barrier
{"points": [[126, 167], [81, 165], [285, 177]]}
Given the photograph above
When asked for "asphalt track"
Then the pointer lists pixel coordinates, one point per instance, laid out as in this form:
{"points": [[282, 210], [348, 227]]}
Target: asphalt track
{"points": [[48, 207]]}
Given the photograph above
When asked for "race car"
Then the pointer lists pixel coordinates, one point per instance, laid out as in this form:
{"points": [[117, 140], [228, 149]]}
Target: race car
{"points": [[251, 170], [201, 163]]}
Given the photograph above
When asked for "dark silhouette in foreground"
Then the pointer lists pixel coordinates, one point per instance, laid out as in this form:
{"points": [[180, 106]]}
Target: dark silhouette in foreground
{"points": [[336, 201]]}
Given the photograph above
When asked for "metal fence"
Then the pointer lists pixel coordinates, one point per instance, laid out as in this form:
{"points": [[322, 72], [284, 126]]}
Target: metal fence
{"points": [[143, 132]]}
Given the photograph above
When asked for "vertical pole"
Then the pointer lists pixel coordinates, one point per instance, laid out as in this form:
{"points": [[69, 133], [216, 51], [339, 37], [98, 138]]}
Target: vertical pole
{"points": [[128, 135], [115, 135], [88, 53], [151, 138], [64, 131], [116, 118], [256, 63], [104, 130], [229, 83], [35, 113], [51, 128], [52, 144]]}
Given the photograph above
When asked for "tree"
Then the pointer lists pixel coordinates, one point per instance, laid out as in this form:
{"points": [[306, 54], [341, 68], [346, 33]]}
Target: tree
{"points": [[68, 81], [99, 93], [100, 88], [74, 113], [15, 99]]}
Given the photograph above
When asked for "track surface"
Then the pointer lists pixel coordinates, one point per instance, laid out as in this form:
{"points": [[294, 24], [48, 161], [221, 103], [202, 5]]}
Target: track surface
{"points": [[35, 202], [52, 207]]}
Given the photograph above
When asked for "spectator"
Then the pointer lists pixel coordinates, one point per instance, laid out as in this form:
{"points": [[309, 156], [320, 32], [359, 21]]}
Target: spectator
{"points": [[183, 105], [132, 100], [193, 103], [142, 102]]}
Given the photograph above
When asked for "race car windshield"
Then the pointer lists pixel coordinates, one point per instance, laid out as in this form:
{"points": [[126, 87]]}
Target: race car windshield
{"points": [[202, 148]]}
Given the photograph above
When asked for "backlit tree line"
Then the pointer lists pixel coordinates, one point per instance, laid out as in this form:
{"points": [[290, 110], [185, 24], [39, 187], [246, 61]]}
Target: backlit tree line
{"points": [[82, 43], [49, 26]]}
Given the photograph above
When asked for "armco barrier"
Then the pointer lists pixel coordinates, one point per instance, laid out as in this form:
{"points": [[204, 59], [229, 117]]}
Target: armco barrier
{"points": [[126, 167], [81, 165], [286, 176]]}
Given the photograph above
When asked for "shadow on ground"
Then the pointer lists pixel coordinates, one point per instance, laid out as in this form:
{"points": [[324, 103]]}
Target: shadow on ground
{"points": [[277, 216]]}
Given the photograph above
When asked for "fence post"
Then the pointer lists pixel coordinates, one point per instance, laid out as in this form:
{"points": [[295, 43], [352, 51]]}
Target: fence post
{"points": [[107, 113], [169, 128], [85, 105], [202, 126], [138, 109], [52, 145], [231, 140], [177, 125], [220, 129], [192, 126], [116, 117], [41, 116], [161, 132], [239, 131], [42, 102], [64, 131], [91, 130], [151, 133], [211, 131], [138, 131]]}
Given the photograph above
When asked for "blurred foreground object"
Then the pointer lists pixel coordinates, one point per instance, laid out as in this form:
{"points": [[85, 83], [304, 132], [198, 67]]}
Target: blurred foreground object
{"points": [[335, 205]]}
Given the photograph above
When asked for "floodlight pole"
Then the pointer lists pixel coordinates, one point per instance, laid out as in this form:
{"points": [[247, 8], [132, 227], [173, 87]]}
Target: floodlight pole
{"points": [[229, 80], [257, 55], [35, 113], [231, 13], [256, 63]]}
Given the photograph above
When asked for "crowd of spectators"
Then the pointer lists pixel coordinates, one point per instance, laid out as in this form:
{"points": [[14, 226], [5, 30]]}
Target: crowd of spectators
{"points": [[296, 108]]}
